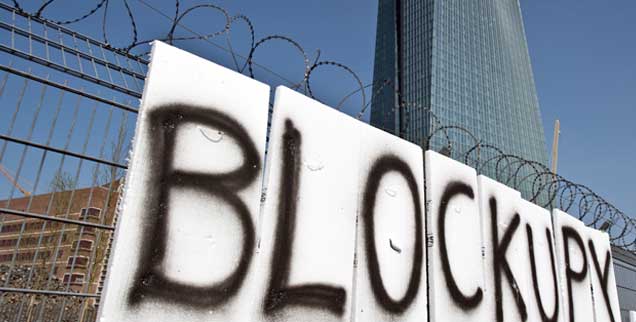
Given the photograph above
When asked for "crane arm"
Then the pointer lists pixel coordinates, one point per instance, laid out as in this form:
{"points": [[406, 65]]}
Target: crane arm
{"points": [[6, 173]]}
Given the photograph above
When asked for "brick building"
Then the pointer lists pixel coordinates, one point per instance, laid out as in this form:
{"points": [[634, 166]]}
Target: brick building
{"points": [[57, 255]]}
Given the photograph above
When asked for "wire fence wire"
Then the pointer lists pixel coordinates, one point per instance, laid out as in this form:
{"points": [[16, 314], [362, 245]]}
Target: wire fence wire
{"points": [[68, 104], [69, 108]]}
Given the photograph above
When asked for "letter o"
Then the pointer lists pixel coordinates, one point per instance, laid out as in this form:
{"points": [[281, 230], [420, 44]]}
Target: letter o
{"points": [[382, 166]]}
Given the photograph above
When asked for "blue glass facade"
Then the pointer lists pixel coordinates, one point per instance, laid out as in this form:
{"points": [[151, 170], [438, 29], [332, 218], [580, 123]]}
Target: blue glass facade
{"points": [[466, 61]]}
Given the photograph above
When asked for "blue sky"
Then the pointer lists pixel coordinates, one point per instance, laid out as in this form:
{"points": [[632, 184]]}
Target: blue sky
{"points": [[583, 59], [582, 54]]}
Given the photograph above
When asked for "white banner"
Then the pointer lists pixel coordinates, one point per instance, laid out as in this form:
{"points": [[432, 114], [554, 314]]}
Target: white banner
{"points": [[545, 303], [574, 268], [599, 254], [186, 233], [391, 244], [309, 214], [456, 267], [335, 226]]}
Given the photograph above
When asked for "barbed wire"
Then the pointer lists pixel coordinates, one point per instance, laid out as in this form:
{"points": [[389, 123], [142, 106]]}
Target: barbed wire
{"points": [[547, 189], [309, 66]]}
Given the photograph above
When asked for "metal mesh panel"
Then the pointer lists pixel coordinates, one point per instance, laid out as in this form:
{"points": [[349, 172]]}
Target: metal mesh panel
{"points": [[67, 114]]}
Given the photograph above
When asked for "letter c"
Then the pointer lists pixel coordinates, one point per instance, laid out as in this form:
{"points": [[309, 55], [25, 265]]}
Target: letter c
{"points": [[466, 302]]}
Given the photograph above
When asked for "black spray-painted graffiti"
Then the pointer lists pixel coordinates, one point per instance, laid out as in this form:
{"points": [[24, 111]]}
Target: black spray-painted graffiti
{"points": [[466, 302], [580, 275], [501, 266], [535, 280], [280, 293], [603, 276], [382, 166], [151, 283], [325, 296], [572, 275]]}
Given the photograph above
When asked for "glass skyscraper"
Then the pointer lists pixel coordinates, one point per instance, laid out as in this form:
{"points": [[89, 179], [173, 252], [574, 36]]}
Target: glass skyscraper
{"points": [[466, 61]]}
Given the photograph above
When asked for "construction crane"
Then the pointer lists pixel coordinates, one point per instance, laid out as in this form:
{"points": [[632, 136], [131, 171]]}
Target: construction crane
{"points": [[6, 173], [555, 146]]}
